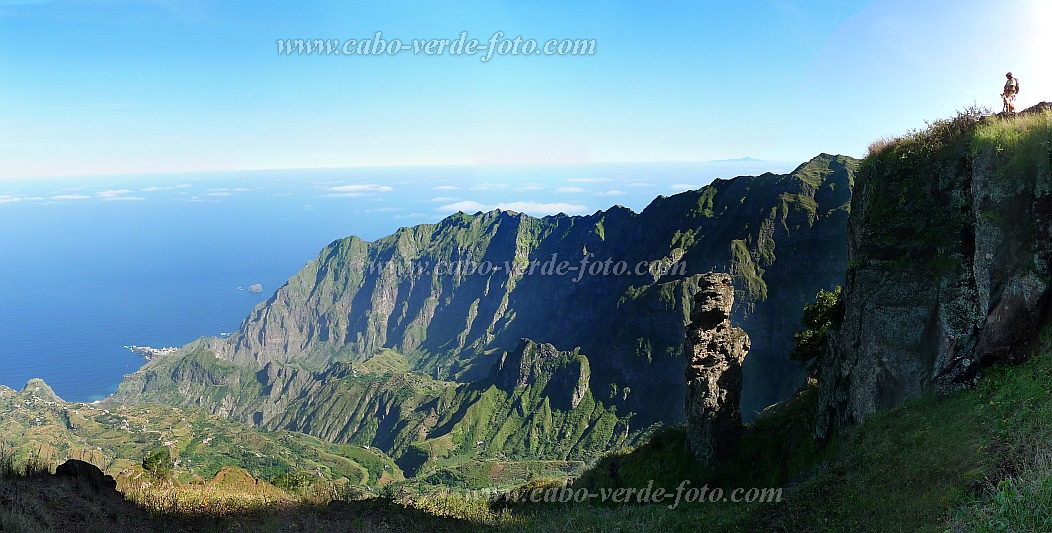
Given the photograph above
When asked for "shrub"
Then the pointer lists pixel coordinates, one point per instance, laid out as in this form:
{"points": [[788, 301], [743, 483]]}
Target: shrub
{"points": [[819, 320], [878, 146], [158, 465]]}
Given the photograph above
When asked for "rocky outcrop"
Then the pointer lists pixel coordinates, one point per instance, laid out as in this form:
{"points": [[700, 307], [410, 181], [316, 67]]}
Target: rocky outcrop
{"points": [[950, 242], [38, 389], [88, 474], [715, 351], [563, 375]]}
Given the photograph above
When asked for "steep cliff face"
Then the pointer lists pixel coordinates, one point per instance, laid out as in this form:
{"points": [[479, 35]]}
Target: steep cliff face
{"points": [[535, 402], [566, 373], [949, 247], [715, 351], [447, 299]]}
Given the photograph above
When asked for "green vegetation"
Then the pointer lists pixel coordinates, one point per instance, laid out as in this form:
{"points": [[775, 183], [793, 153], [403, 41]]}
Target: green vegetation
{"points": [[706, 202], [385, 361], [819, 320], [976, 460], [746, 269], [917, 174], [392, 359], [931, 140], [1025, 141], [181, 445], [230, 502], [158, 465]]}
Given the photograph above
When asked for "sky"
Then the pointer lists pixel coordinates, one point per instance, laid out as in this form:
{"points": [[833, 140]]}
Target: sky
{"points": [[106, 87]]}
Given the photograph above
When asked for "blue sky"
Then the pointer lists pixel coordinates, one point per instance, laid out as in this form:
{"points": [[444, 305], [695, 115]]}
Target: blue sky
{"points": [[145, 86]]}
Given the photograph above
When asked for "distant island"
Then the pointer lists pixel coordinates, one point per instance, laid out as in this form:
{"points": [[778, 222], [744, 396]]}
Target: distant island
{"points": [[256, 287], [150, 353]]}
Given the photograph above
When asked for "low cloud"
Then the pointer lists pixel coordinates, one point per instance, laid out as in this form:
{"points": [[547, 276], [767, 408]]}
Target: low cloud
{"points": [[613, 192], [445, 188], [167, 188], [357, 190], [118, 195], [588, 180], [533, 208], [570, 189], [114, 193], [467, 206], [69, 197], [361, 187], [225, 191], [489, 186], [683, 186], [10, 198], [545, 208], [412, 216]]}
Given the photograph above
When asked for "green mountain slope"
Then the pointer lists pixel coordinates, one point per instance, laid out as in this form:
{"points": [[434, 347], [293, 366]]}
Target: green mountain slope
{"points": [[306, 359], [976, 460], [34, 422]]}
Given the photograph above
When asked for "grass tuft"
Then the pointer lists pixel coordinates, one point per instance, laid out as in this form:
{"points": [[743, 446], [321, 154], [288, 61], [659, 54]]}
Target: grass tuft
{"points": [[1025, 141]]}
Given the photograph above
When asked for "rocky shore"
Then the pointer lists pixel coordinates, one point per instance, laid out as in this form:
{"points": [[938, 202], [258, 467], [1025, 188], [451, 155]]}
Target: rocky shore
{"points": [[150, 353]]}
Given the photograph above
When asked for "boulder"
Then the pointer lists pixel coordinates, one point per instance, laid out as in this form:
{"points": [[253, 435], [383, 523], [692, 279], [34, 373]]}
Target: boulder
{"points": [[89, 473]]}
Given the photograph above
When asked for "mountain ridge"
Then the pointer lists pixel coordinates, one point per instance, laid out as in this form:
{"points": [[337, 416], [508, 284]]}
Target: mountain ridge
{"points": [[287, 362]]}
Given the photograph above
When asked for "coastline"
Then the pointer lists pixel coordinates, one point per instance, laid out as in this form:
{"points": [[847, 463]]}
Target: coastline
{"points": [[149, 353]]}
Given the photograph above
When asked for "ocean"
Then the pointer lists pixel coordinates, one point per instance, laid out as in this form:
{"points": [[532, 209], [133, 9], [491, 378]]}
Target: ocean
{"points": [[89, 265]]}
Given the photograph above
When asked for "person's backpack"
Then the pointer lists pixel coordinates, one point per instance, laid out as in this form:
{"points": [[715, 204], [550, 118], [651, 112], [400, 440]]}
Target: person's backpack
{"points": [[1016, 80]]}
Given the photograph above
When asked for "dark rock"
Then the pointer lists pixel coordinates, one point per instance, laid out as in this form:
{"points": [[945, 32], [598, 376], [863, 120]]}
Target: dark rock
{"points": [[715, 352], [1040, 107], [950, 248], [89, 473]]}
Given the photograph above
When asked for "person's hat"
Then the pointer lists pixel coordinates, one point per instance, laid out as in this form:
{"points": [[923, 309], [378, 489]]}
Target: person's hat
{"points": [[1009, 75]]}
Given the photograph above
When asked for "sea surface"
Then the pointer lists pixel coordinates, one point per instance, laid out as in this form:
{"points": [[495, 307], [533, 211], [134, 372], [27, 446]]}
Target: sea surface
{"points": [[89, 265]]}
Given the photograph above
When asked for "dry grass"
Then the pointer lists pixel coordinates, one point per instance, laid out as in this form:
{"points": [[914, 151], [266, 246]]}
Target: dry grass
{"points": [[878, 146], [192, 500]]}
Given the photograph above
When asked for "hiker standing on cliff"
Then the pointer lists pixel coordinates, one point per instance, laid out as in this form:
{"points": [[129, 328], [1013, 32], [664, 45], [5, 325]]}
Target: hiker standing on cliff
{"points": [[1008, 96]]}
